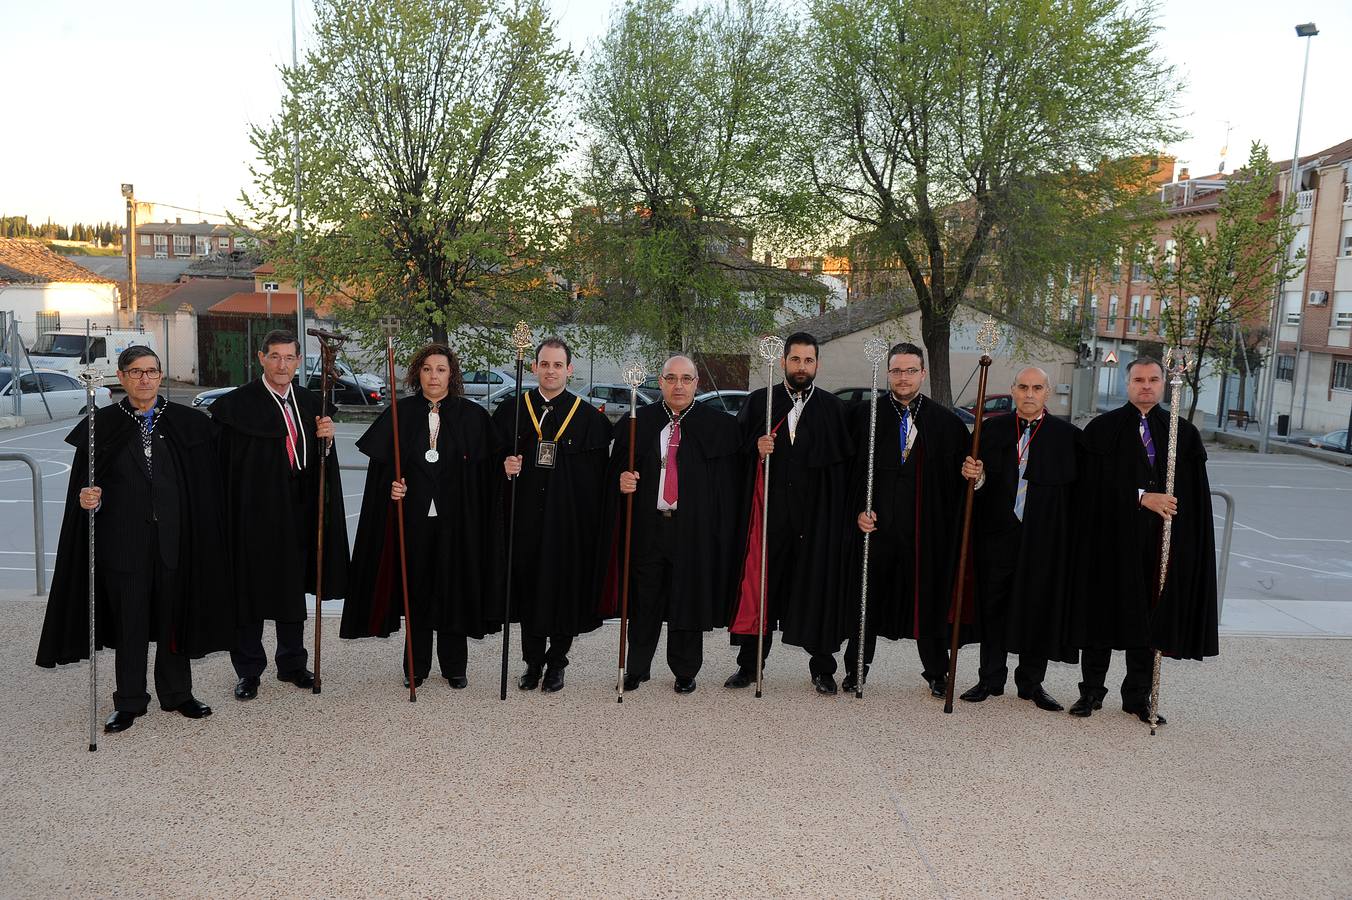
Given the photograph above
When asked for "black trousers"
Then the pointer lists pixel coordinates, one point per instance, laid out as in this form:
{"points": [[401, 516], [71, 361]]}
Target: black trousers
{"points": [[534, 653], [1136, 684], [822, 661], [250, 659], [137, 598], [933, 654], [452, 652], [783, 549], [651, 567], [997, 561]]}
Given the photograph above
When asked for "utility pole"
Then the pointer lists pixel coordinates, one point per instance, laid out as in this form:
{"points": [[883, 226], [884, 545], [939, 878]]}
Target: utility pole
{"points": [[295, 157], [129, 192]]}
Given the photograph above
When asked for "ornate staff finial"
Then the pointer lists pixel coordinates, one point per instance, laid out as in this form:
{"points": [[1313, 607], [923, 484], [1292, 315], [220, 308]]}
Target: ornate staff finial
{"points": [[90, 377], [770, 347], [521, 339], [875, 350], [635, 374], [987, 336]]}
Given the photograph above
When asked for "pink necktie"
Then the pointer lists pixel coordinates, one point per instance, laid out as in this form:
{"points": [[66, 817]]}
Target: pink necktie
{"points": [[673, 446], [290, 434]]}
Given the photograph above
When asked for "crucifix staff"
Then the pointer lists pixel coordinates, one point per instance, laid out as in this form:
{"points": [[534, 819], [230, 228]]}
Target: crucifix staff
{"points": [[875, 351], [987, 337], [328, 348], [521, 340], [1176, 364], [634, 375]]}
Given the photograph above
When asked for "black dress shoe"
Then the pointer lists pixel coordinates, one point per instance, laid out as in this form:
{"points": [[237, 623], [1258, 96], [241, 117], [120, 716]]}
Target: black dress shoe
{"points": [[825, 684], [740, 679], [1041, 699], [685, 685], [938, 686], [459, 682], [1142, 712], [193, 708], [301, 678], [849, 685], [631, 682], [979, 692], [246, 688], [553, 680], [120, 721], [530, 679], [1085, 706], [417, 682]]}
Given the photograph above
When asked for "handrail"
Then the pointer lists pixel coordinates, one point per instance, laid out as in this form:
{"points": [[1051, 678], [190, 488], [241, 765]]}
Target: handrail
{"points": [[1223, 561], [39, 549]]}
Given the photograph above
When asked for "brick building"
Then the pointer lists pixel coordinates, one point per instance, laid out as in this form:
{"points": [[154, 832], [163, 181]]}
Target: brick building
{"points": [[176, 240]]}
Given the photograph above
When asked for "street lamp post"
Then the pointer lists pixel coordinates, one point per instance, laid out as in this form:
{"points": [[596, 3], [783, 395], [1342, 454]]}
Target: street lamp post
{"points": [[1308, 30]]}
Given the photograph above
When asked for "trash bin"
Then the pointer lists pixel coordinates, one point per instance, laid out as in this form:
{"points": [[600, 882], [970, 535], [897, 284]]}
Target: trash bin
{"points": [[1283, 425]]}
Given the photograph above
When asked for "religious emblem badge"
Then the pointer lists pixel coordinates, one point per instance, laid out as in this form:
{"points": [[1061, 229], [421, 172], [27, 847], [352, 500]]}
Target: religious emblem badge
{"points": [[545, 453], [432, 455]]}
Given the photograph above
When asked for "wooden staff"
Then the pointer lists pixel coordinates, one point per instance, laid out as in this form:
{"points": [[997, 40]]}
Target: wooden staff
{"points": [[986, 339], [875, 351], [633, 376], [521, 339], [399, 517], [327, 349]]}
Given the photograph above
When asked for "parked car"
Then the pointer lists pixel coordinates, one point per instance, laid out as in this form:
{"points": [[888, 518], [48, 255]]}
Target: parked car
{"points": [[365, 379], [730, 401], [853, 395], [966, 415], [507, 394], [613, 399], [484, 382], [346, 391], [65, 395], [206, 398], [1334, 440], [996, 405]]}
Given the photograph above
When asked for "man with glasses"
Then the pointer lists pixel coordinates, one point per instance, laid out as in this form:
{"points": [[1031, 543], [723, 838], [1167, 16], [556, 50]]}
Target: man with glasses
{"points": [[917, 514], [810, 450], [271, 440], [684, 484], [161, 573]]}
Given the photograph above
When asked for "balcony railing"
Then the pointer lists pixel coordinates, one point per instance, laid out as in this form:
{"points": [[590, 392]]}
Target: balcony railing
{"points": [[1305, 200]]}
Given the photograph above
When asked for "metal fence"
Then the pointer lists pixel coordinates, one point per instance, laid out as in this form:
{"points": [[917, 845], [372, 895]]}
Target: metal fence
{"points": [[39, 546]]}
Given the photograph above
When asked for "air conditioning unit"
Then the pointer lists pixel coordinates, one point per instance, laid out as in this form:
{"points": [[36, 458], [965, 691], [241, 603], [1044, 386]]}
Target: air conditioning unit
{"points": [[1319, 298]]}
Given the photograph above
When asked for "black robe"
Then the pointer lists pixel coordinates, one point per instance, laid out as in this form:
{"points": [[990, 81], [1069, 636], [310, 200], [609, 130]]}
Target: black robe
{"points": [[707, 466], [273, 541], [918, 605], [809, 484], [465, 570], [203, 615], [1037, 618], [1117, 567], [555, 579]]}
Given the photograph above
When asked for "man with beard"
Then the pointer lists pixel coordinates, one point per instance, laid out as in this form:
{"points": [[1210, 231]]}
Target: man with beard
{"points": [[161, 574], [271, 438], [916, 519], [810, 452], [684, 484], [1022, 530], [1119, 604], [560, 472]]}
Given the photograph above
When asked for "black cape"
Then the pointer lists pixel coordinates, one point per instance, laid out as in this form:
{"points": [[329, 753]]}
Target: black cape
{"points": [[274, 545], [707, 466], [809, 484], [555, 579], [936, 509], [1037, 618], [465, 570], [1117, 567], [203, 615]]}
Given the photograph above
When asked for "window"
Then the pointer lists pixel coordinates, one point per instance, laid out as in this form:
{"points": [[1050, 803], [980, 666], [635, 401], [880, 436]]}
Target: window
{"points": [[28, 384], [203, 246], [182, 245], [1342, 309], [1347, 239], [1291, 308], [53, 382], [1133, 322], [1112, 311], [162, 243], [1342, 374], [145, 240], [1286, 366]]}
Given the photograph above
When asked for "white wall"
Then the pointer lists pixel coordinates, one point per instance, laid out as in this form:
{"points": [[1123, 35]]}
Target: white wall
{"points": [[75, 303]]}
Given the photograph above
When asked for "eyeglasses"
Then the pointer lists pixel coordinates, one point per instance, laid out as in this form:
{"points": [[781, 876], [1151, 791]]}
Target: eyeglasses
{"points": [[275, 358], [909, 373], [138, 374], [685, 380]]}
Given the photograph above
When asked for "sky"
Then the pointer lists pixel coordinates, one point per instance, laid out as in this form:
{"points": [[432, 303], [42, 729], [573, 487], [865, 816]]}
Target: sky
{"points": [[164, 100]]}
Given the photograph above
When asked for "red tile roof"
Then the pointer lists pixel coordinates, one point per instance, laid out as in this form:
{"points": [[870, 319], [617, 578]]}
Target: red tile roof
{"points": [[148, 293], [26, 261], [1329, 156], [256, 303]]}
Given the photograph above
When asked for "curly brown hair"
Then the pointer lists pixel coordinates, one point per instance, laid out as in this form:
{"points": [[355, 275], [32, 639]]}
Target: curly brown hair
{"points": [[414, 382]]}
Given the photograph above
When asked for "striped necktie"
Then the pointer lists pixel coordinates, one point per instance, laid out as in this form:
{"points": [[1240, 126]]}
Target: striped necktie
{"points": [[1021, 492], [1148, 441]]}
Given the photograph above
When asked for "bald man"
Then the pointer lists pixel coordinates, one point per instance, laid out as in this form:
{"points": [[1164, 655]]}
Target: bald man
{"points": [[1022, 545], [685, 489]]}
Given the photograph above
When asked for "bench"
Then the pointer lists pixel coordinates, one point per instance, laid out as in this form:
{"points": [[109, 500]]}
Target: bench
{"points": [[1239, 417]]}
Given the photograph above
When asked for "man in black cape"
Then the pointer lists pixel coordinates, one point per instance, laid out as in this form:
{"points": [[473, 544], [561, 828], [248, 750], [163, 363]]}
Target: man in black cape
{"points": [[916, 522], [271, 440], [685, 495], [1122, 509], [451, 523], [162, 572], [560, 469], [1022, 541], [810, 451]]}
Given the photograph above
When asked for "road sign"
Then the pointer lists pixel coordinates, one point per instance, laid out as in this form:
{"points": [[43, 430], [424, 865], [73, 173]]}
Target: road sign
{"points": [[1111, 358]]}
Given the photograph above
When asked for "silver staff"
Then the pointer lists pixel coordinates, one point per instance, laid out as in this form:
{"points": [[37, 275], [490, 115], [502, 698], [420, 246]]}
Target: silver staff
{"points": [[92, 380], [634, 375], [1176, 363], [770, 348], [875, 351]]}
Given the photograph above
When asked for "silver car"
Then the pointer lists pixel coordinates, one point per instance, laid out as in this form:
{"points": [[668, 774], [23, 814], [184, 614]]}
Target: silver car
{"points": [[613, 399], [65, 395]]}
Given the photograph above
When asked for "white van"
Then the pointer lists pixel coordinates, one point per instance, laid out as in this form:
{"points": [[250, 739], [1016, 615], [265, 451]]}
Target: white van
{"points": [[64, 350]]}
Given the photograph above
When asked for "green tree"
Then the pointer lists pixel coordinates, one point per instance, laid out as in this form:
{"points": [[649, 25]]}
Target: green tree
{"points": [[429, 153], [1215, 284], [683, 108], [969, 135]]}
